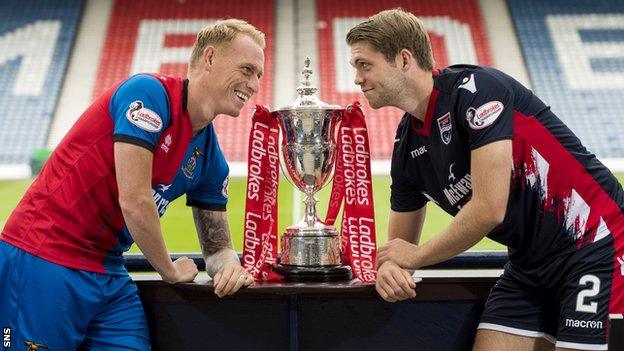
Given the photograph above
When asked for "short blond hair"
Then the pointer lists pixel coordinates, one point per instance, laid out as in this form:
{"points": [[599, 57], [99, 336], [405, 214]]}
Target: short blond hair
{"points": [[223, 32], [391, 31]]}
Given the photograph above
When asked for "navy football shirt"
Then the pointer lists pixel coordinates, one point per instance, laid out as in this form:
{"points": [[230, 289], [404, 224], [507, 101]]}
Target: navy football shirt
{"points": [[561, 196]]}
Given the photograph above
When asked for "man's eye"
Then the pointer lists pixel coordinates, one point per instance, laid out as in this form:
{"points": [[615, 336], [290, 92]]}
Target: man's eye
{"points": [[247, 70]]}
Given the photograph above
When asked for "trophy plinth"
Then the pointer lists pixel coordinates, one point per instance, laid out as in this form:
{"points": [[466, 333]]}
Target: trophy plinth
{"points": [[311, 250]]}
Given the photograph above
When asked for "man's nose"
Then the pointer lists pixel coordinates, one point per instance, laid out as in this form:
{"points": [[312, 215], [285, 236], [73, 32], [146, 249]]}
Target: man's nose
{"points": [[359, 80], [254, 84]]}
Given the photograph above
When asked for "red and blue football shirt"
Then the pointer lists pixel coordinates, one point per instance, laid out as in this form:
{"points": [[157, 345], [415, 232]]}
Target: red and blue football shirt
{"points": [[71, 215]]}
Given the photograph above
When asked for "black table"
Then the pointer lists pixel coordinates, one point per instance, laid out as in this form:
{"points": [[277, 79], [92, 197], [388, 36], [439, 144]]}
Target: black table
{"points": [[314, 316]]}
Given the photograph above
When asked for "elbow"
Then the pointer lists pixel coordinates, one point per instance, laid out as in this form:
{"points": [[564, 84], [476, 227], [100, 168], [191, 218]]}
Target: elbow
{"points": [[127, 205], [132, 206], [499, 216], [492, 213], [496, 214]]}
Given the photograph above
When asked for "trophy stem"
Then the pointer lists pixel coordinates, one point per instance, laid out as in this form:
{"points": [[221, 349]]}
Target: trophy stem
{"points": [[310, 208]]}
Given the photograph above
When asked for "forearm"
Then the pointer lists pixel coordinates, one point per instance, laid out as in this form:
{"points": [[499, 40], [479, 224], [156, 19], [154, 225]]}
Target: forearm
{"points": [[406, 225], [412, 235], [143, 224], [215, 240], [465, 230]]}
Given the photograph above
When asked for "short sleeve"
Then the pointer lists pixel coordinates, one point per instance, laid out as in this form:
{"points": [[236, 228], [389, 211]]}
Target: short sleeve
{"points": [[404, 195], [140, 111], [485, 109], [213, 196], [212, 193]]}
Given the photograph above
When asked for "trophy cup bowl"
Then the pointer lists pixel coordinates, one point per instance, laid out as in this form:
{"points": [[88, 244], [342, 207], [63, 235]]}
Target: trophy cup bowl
{"points": [[311, 250]]}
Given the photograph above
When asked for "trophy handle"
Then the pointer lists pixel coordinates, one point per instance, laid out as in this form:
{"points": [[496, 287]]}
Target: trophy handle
{"points": [[336, 131], [282, 162]]}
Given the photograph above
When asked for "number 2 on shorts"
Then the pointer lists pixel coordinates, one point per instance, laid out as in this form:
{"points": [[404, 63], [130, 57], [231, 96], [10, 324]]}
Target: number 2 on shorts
{"points": [[590, 292]]}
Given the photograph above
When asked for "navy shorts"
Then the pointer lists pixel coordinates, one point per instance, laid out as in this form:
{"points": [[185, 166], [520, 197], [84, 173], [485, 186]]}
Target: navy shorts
{"points": [[566, 300], [46, 306]]}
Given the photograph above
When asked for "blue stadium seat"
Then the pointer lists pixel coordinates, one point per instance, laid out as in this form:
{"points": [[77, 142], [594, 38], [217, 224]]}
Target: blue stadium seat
{"points": [[36, 38], [574, 50]]}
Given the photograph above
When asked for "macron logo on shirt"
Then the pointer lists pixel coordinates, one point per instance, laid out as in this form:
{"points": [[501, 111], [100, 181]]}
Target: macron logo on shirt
{"points": [[468, 83], [418, 151]]}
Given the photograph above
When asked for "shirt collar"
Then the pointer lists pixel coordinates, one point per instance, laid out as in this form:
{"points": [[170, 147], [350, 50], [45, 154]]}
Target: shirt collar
{"points": [[425, 127]]}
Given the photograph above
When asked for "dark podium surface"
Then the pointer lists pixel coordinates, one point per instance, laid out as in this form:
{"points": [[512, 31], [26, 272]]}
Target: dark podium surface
{"points": [[314, 316], [326, 316]]}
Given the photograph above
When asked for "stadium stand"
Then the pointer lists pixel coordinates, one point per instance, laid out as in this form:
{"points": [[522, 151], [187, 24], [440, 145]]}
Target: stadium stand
{"points": [[156, 36], [574, 51], [36, 38], [457, 37]]}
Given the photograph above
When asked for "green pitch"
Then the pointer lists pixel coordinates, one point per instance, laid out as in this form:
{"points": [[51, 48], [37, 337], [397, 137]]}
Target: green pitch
{"points": [[179, 229]]}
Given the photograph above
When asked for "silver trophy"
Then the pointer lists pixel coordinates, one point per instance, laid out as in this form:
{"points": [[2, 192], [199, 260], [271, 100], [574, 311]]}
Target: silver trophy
{"points": [[311, 250]]}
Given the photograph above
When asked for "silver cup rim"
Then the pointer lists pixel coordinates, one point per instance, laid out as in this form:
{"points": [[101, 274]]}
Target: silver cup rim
{"points": [[310, 108]]}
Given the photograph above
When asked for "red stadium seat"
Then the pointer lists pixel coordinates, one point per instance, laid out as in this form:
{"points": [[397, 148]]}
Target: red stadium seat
{"points": [[457, 35], [157, 35]]}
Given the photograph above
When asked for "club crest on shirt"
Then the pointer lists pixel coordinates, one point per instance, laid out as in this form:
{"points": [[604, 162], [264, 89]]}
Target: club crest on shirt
{"points": [[484, 115], [143, 117], [444, 123], [191, 164]]}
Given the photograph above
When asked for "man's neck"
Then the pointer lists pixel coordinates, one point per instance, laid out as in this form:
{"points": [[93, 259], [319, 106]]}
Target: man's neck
{"points": [[419, 101], [200, 118]]}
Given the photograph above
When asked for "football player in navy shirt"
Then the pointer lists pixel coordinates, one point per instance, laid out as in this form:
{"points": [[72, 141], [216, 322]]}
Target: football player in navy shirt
{"points": [[139, 146], [486, 150]]}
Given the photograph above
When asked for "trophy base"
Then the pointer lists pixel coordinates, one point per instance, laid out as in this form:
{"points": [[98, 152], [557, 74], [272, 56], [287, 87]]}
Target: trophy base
{"points": [[302, 274]]}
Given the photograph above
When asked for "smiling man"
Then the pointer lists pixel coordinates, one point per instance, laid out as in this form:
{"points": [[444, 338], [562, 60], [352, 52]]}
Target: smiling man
{"points": [[138, 147], [486, 150]]}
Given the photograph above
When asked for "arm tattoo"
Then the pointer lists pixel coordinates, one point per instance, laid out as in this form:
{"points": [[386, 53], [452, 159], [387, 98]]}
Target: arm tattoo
{"points": [[213, 230]]}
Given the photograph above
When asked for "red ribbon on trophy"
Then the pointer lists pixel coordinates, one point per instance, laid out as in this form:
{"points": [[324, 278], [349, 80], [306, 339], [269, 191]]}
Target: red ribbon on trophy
{"points": [[260, 242], [352, 186]]}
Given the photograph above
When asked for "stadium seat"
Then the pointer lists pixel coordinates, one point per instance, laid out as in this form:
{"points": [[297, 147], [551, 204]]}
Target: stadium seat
{"points": [[574, 51], [36, 37], [157, 36], [457, 37]]}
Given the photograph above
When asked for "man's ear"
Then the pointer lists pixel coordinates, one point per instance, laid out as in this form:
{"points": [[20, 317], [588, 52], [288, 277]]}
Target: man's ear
{"points": [[208, 57], [405, 59]]}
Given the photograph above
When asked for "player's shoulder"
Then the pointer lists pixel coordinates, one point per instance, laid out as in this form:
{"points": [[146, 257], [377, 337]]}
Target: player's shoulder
{"points": [[141, 91], [142, 83], [404, 125], [469, 80]]}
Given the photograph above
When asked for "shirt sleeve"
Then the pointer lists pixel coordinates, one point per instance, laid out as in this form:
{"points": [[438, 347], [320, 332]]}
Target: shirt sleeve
{"points": [[485, 109], [405, 196], [140, 111], [212, 194]]}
